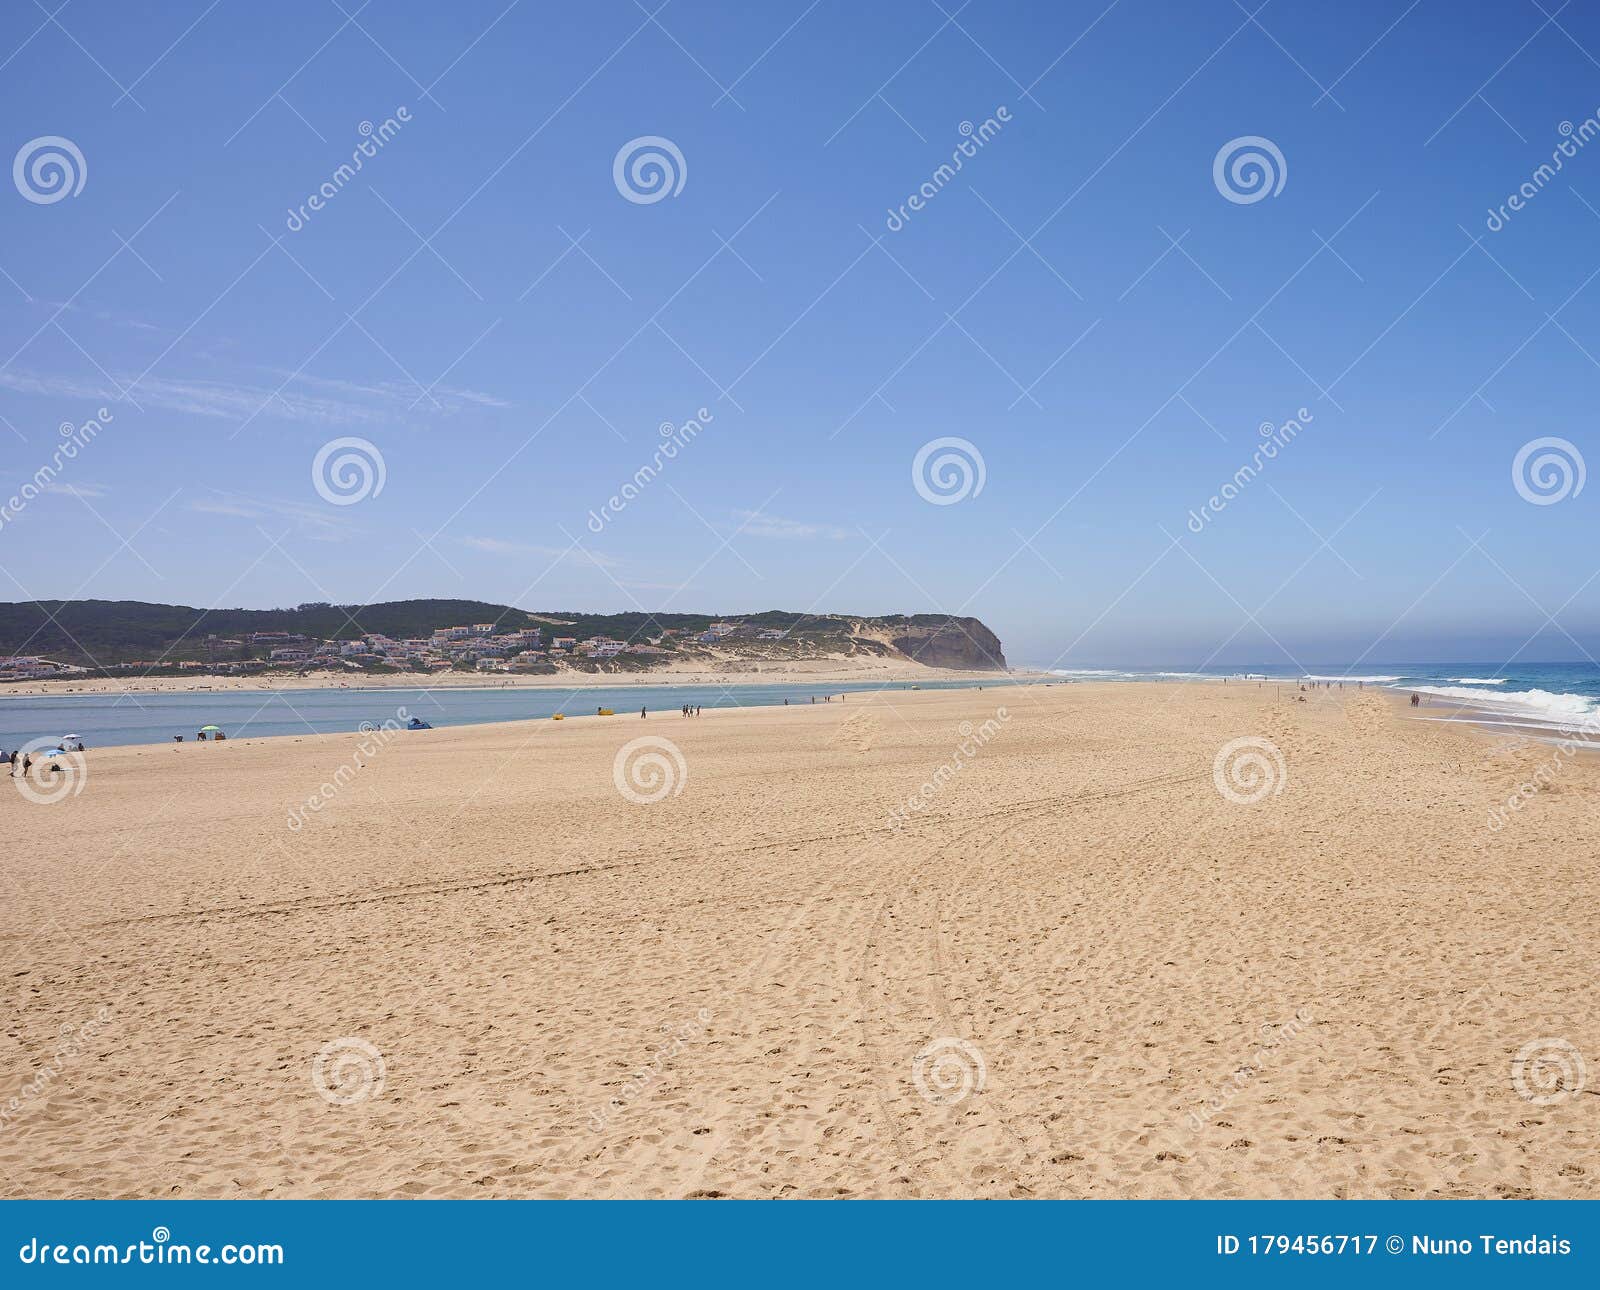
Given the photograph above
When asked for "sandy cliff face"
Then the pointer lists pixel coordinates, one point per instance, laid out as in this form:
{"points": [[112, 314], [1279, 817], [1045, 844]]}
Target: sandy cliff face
{"points": [[963, 643]]}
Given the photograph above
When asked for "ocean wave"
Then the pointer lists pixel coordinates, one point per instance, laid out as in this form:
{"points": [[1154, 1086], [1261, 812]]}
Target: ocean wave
{"points": [[1540, 701], [1478, 680], [1368, 679]]}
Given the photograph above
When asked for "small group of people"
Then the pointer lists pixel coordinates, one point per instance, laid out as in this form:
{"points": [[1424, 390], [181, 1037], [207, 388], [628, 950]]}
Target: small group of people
{"points": [[691, 709], [16, 762]]}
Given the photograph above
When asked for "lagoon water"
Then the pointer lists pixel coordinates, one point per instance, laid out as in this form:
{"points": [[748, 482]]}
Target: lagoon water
{"points": [[109, 719], [1547, 692]]}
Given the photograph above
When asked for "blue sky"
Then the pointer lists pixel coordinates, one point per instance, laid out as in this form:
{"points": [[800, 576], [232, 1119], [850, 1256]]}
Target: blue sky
{"points": [[485, 307]]}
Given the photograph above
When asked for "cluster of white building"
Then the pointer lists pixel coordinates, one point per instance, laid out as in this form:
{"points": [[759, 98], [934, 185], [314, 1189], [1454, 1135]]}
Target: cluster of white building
{"points": [[33, 667], [480, 645]]}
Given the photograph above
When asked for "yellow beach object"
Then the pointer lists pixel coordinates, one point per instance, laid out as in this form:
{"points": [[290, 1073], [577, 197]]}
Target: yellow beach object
{"points": [[560, 716], [605, 712]]}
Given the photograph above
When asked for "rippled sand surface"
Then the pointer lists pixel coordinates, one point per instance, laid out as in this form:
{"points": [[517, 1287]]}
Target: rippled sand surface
{"points": [[878, 948]]}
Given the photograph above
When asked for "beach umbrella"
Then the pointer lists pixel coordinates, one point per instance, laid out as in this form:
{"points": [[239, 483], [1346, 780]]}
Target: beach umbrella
{"points": [[49, 753], [205, 728]]}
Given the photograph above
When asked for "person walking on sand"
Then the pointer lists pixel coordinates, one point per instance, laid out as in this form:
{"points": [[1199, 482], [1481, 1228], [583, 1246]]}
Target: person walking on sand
{"points": [[1415, 700], [641, 714]]}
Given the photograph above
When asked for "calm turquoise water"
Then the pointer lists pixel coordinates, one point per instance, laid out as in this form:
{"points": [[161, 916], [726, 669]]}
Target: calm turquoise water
{"points": [[104, 720]]}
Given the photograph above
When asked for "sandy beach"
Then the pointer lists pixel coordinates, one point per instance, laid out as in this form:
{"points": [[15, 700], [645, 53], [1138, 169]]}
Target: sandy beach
{"points": [[726, 672], [914, 945]]}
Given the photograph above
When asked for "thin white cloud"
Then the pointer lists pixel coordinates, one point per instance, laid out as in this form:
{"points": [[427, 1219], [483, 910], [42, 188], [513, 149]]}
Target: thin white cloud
{"points": [[401, 392], [76, 490], [760, 524], [318, 523], [232, 401]]}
